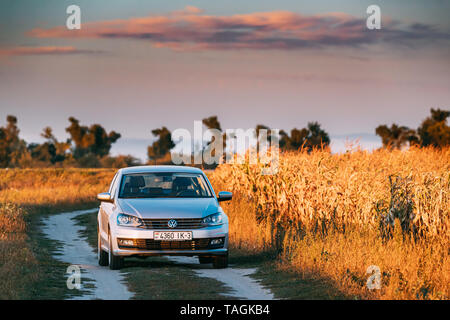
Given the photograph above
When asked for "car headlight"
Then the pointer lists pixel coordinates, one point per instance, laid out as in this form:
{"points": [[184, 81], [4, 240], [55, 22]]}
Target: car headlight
{"points": [[213, 219], [128, 221]]}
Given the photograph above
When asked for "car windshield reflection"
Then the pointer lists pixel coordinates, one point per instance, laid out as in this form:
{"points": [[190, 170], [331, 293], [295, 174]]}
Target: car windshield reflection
{"points": [[164, 185]]}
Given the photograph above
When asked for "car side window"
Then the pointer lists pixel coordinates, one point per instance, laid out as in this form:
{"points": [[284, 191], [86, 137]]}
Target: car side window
{"points": [[112, 184]]}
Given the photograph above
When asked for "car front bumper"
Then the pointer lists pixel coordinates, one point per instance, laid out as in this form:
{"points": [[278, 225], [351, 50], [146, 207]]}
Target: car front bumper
{"points": [[205, 253], [146, 234]]}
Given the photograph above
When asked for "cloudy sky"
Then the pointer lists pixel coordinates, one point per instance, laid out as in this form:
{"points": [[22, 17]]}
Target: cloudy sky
{"points": [[137, 65]]}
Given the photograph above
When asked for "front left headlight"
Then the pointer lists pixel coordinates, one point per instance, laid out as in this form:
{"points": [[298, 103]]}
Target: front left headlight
{"points": [[213, 219], [128, 220]]}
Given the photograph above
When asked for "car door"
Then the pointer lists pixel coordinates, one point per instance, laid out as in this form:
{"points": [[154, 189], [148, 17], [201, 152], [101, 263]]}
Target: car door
{"points": [[107, 208]]}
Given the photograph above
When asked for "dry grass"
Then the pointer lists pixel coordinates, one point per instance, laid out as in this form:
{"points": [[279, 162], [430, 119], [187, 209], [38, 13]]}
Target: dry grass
{"points": [[15, 256], [52, 187], [29, 192], [333, 216]]}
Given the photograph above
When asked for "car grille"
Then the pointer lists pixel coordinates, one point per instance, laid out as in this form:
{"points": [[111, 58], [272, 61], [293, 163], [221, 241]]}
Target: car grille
{"points": [[150, 244], [191, 223]]}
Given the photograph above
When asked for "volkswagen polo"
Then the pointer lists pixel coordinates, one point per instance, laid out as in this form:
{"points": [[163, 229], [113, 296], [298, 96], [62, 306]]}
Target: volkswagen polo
{"points": [[162, 210]]}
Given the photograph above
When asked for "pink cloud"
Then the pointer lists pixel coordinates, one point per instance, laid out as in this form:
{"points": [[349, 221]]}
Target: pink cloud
{"points": [[20, 51], [191, 29], [189, 10]]}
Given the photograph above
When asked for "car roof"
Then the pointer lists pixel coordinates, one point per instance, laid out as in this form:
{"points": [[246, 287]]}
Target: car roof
{"points": [[160, 168]]}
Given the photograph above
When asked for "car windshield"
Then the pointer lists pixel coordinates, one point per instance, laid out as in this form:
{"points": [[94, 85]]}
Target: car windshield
{"points": [[164, 185]]}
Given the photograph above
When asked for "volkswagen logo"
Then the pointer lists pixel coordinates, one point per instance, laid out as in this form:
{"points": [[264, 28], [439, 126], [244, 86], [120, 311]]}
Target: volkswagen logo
{"points": [[172, 223]]}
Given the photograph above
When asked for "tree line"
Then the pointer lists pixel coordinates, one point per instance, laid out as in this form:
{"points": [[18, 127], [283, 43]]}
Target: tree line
{"points": [[313, 136], [89, 146], [433, 131]]}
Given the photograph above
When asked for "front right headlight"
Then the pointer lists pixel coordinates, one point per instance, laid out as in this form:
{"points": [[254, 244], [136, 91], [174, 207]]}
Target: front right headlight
{"points": [[215, 219], [128, 220]]}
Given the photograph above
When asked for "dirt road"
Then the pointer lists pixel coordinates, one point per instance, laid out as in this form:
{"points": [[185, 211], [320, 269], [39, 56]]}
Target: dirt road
{"points": [[110, 284]]}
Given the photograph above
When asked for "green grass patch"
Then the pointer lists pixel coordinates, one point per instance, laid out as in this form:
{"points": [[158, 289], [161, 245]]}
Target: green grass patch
{"points": [[157, 278]]}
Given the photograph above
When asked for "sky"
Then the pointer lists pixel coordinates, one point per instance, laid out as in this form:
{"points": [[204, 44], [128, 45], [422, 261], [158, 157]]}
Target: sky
{"points": [[138, 65]]}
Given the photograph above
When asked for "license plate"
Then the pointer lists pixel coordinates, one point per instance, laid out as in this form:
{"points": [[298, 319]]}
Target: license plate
{"points": [[172, 235]]}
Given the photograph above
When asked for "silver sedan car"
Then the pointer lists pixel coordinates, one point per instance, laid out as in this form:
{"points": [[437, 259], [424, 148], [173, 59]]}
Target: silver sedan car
{"points": [[162, 210]]}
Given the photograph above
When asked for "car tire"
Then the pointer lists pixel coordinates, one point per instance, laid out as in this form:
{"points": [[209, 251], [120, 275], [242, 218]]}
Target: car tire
{"points": [[115, 262], [205, 260], [220, 262], [101, 254]]}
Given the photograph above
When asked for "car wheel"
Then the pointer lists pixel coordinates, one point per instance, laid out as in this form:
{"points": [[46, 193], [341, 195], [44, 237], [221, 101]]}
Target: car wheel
{"points": [[101, 254], [205, 260], [220, 262], [115, 262]]}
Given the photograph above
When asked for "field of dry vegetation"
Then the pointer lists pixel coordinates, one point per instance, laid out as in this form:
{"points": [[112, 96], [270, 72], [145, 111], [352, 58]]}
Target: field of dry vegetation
{"points": [[333, 216], [326, 216], [24, 194]]}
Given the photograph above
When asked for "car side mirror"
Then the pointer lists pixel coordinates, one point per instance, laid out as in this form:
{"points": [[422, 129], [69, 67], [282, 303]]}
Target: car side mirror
{"points": [[105, 197], [224, 196]]}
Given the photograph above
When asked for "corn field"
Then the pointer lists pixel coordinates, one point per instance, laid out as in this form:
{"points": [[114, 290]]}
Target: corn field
{"points": [[320, 191], [355, 207]]}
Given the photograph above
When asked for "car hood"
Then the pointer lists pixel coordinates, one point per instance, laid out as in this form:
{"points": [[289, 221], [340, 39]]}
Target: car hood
{"points": [[166, 208]]}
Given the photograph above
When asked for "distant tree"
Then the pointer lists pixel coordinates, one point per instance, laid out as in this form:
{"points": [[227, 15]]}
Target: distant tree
{"points": [[260, 127], [162, 146], [313, 136], [434, 130], [396, 136], [317, 137], [298, 138], [120, 161], [88, 160], [12, 148], [284, 140], [213, 123], [90, 140], [51, 151], [42, 152]]}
